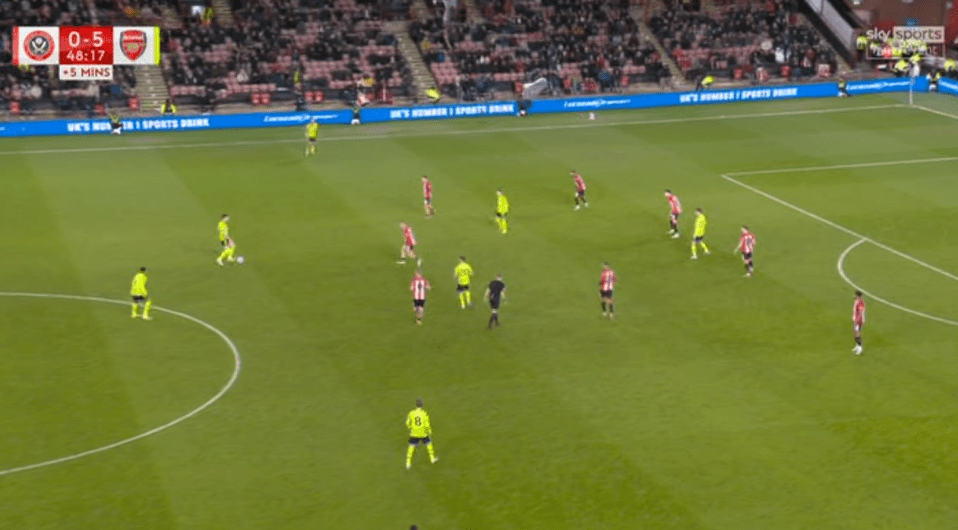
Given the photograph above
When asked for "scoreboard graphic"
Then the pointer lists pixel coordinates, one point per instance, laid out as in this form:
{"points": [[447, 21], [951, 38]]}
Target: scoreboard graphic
{"points": [[86, 53]]}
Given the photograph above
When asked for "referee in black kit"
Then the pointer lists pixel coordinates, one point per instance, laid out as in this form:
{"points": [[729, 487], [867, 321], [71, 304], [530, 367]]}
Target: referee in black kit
{"points": [[495, 294]]}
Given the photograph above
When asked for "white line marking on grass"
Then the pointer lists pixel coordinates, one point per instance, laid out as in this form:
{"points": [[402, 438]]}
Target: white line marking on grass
{"points": [[449, 133], [845, 166], [842, 228], [237, 364], [938, 112], [841, 271]]}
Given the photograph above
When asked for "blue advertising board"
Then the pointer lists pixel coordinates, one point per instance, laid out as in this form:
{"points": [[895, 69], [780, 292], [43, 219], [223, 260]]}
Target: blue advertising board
{"points": [[439, 112], [948, 86], [642, 101], [173, 123], [876, 86], [464, 110]]}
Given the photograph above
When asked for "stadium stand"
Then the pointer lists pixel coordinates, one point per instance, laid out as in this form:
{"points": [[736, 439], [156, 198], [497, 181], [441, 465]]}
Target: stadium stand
{"points": [[578, 46], [745, 40], [284, 49], [28, 90]]}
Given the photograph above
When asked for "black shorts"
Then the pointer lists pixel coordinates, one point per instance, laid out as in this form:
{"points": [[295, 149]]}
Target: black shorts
{"points": [[462, 288], [580, 193], [500, 214], [858, 328], [222, 242], [139, 299], [417, 441], [115, 126], [698, 239], [410, 247], [747, 256], [605, 294], [419, 303], [675, 217], [494, 303], [427, 200], [312, 140]]}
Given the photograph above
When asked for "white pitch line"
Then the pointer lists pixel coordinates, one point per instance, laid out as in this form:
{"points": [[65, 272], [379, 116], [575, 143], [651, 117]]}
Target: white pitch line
{"points": [[938, 112], [448, 133], [237, 364], [842, 228], [845, 166], [841, 271]]}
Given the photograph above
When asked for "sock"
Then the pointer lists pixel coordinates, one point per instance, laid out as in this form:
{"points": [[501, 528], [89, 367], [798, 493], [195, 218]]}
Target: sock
{"points": [[223, 254], [858, 341], [468, 298], [134, 310], [505, 226], [611, 309], [491, 320], [603, 307], [409, 452], [146, 308], [462, 299], [585, 201], [693, 249], [432, 452], [748, 268], [705, 248]]}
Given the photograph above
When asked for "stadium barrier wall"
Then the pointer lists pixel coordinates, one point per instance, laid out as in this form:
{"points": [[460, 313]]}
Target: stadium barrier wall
{"points": [[464, 110]]}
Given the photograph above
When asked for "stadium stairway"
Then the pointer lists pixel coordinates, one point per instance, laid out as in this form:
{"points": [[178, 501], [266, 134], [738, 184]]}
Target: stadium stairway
{"points": [[151, 87], [678, 78], [843, 67], [223, 13], [422, 77], [419, 10]]}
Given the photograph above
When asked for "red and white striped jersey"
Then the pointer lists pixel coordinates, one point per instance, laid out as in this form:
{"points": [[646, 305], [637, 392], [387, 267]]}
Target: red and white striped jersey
{"points": [[426, 189], [746, 243], [408, 236], [674, 204], [579, 183], [607, 281], [419, 286], [858, 312]]}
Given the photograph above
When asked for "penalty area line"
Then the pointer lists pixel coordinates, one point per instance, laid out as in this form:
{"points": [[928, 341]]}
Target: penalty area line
{"points": [[840, 265], [237, 366], [498, 130]]}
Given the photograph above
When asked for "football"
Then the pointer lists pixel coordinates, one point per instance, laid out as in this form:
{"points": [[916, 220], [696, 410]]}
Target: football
{"points": [[240, 260]]}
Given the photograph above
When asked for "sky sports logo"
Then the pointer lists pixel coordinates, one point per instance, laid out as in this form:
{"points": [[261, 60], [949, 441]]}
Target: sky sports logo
{"points": [[929, 34]]}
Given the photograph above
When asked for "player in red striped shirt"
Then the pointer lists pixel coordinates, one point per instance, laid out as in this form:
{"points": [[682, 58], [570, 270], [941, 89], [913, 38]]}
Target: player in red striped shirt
{"points": [[427, 197], [675, 209], [746, 243], [579, 190], [858, 321], [409, 245], [606, 285], [419, 286]]}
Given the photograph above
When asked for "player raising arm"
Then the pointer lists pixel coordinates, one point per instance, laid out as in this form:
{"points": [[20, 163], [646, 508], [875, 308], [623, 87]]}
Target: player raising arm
{"points": [[141, 297], [420, 432], [409, 245], [419, 286], [502, 211], [427, 197], [463, 274], [746, 243], [579, 190], [858, 321], [675, 209], [606, 285], [312, 133], [698, 236]]}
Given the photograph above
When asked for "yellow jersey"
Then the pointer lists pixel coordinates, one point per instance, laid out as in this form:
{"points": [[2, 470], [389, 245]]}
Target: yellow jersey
{"points": [[224, 231], [700, 223], [502, 204], [312, 130], [139, 285], [463, 273], [418, 423]]}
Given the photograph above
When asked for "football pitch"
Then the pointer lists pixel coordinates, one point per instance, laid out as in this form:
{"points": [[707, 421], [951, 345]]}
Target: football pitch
{"points": [[272, 394]]}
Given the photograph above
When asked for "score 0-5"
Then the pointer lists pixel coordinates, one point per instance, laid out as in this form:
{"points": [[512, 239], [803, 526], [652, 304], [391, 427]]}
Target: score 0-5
{"points": [[86, 45]]}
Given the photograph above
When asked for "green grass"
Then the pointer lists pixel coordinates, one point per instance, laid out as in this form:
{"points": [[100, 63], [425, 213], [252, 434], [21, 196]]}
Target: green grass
{"points": [[713, 402]]}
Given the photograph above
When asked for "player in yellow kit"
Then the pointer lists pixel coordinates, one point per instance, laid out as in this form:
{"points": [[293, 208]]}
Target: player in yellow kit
{"points": [[223, 229], [463, 274], [698, 235], [419, 432], [141, 297], [312, 133], [502, 212], [227, 252]]}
